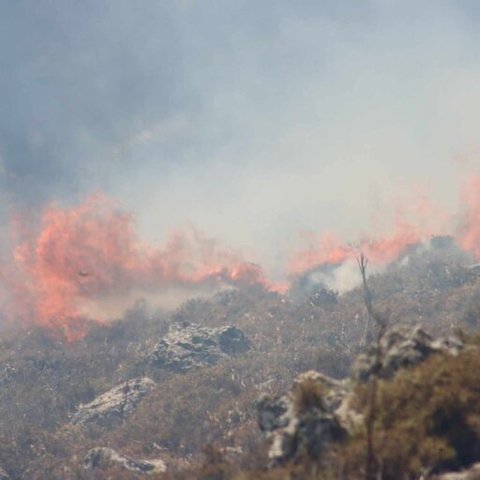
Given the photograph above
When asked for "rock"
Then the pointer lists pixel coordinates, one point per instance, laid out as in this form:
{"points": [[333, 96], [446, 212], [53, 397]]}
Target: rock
{"points": [[273, 413], [190, 345], [401, 347], [348, 417], [114, 405], [302, 421], [319, 411], [472, 473], [103, 458]]}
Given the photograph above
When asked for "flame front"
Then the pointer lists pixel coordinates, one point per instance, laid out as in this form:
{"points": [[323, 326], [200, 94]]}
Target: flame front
{"points": [[431, 221], [468, 236], [92, 251]]}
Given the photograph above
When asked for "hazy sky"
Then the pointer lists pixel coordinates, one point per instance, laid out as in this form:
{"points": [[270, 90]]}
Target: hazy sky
{"points": [[253, 120]]}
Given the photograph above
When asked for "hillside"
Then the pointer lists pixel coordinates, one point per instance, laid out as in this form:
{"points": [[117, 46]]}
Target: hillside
{"points": [[198, 415]]}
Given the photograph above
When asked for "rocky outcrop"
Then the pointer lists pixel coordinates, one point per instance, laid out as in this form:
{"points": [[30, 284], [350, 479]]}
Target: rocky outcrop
{"points": [[103, 458], [188, 345], [318, 411], [113, 406], [401, 347], [302, 422]]}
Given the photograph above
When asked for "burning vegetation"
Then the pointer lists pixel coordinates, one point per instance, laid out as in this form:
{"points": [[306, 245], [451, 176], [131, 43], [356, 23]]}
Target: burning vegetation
{"points": [[210, 361], [86, 254], [239, 240], [87, 263]]}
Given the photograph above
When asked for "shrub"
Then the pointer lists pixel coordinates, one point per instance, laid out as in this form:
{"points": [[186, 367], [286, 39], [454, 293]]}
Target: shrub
{"points": [[427, 419]]}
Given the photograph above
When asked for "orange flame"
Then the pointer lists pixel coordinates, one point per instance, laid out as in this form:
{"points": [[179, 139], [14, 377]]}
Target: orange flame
{"points": [[329, 250], [92, 250], [431, 219], [468, 236]]}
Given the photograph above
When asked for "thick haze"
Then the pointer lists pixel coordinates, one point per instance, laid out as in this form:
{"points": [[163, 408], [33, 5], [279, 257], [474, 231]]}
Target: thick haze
{"points": [[254, 121]]}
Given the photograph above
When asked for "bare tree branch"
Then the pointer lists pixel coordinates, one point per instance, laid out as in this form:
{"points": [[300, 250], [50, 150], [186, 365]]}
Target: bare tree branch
{"points": [[367, 297], [381, 325]]}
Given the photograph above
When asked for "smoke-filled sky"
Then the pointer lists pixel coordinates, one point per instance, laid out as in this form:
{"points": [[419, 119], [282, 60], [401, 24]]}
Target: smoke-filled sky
{"points": [[254, 121]]}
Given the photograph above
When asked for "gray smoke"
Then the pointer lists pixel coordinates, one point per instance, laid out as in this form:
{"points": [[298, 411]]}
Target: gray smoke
{"points": [[253, 120]]}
